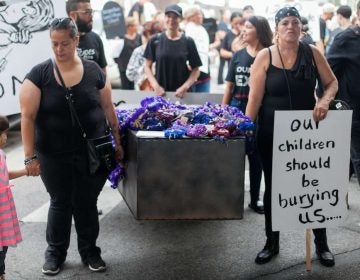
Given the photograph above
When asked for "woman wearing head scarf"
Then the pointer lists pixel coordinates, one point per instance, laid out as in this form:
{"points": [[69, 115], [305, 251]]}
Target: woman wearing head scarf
{"points": [[283, 78]]}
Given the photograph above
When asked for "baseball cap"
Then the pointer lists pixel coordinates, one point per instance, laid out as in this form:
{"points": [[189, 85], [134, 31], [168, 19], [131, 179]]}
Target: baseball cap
{"points": [[176, 9]]}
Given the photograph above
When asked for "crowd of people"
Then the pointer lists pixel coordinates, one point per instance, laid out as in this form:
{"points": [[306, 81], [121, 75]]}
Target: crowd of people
{"points": [[169, 51]]}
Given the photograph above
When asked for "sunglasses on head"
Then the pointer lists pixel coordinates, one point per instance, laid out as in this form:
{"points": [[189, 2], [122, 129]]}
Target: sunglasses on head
{"points": [[66, 21]]}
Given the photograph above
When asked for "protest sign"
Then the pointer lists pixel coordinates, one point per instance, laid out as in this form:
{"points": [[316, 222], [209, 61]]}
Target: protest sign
{"points": [[310, 172]]}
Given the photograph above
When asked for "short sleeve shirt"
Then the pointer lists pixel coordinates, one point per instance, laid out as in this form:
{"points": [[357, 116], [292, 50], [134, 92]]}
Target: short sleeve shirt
{"points": [[55, 131], [91, 48], [239, 73], [172, 58]]}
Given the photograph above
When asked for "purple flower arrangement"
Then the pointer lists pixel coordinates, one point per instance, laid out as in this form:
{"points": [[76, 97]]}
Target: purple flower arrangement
{"points": [[179, 120]]}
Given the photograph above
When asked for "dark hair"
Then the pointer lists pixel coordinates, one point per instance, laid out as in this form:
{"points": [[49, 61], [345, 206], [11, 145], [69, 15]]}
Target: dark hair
{"points": [[263, 30], [358, 6], [151, 27], [4, 123], [345, 11], [304, 24], [248, 8], [72, 5], [66, 24], [235, 15]]}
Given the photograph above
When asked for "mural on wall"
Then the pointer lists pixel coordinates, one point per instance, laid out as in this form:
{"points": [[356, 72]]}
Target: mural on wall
{"points": [[24, 42]]}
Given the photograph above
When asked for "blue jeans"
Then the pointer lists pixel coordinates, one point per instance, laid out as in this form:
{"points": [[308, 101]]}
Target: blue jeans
{"points": [[201, 87], [239, 103]]}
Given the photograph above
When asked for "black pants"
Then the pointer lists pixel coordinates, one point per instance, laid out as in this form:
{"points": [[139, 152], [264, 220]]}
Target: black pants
{"points": [[220, 79], [2, 259], [255, 172], [73, 193], [125, 82], [265, 148]]}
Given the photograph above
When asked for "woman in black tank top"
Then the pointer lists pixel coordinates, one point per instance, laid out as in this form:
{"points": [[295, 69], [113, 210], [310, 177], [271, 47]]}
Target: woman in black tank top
{"points": [[283, 78]]}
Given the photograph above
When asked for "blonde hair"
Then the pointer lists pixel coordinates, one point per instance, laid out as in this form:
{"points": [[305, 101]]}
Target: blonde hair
{"points": [[130, 21], [190, 12]]}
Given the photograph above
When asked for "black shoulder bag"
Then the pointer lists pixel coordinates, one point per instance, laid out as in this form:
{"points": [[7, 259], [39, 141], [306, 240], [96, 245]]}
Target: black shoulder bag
{"points": [[100, 150]]}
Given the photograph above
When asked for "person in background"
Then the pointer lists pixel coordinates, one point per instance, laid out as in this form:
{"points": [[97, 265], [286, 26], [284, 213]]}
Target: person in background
{"points": [[238, 42], [305, 37], [343, 15], [279, 80], [198, 33], [176, 57], [137, 10], [54, 143], [149, 11], [237, 23], [90, 45], [135, 70], [222, 29], [10, 234], [132, 40], [327, 15], [344, 59], [257, 35], [248, 11]]}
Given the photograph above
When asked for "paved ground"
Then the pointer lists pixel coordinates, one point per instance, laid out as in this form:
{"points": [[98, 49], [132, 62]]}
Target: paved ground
{"points": [[135, 249]]}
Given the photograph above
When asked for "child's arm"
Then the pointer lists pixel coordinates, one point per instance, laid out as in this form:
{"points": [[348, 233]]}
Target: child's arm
{"points": [[13, 174]]}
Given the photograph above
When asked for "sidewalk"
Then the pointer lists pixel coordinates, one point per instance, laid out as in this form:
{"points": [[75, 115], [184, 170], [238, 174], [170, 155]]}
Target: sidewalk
{"points": [[220, 249]]}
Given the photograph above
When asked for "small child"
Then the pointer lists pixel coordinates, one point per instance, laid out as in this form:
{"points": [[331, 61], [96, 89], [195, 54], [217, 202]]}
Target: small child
{"points": [[10, 233]]}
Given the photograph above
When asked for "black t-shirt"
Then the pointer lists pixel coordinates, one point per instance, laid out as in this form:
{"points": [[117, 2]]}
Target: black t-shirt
{"points": [[344, 59], [239, 73], [228, 39], [55, 132], [91, 48], [129, 47], [171, 59], [322, 29]]}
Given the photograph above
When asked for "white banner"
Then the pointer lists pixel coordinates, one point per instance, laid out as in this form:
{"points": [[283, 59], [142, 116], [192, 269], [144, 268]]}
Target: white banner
{"points": [[310, 174], [24, 42]]}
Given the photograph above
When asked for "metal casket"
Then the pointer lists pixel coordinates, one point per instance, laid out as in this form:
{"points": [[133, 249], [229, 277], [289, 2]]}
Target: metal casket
{"points": [[184, 178]]}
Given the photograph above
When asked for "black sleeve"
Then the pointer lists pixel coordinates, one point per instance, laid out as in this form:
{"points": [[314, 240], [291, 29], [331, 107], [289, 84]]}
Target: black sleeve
{"points": [[337, 54], [102, 58], [150, 49], [36, 75], [193, 57]]}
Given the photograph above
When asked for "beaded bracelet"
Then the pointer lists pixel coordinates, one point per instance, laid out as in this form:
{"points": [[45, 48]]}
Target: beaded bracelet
{"points": [[30, 159]]}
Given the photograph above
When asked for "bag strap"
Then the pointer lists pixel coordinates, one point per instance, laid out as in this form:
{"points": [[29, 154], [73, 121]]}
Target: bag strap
{"points": [[68, 96]]}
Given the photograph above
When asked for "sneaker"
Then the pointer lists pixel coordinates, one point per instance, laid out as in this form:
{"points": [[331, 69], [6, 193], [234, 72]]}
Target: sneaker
{"points": [[96, 263], [50, 267]]}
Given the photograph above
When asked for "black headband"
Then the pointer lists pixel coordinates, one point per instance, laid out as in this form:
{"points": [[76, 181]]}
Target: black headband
{"points": [[253, 20], [286, 12]]}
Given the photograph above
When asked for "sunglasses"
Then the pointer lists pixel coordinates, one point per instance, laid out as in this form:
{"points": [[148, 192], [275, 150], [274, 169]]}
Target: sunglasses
{"points": [[88, 12], [63, 22]]}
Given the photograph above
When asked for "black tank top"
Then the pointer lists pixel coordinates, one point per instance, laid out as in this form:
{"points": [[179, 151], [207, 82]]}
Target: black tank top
{"points": [[302, 81]]}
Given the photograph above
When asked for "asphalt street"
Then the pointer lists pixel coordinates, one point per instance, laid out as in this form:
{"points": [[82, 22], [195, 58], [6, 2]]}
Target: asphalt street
{"points": [[183, 249]]}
